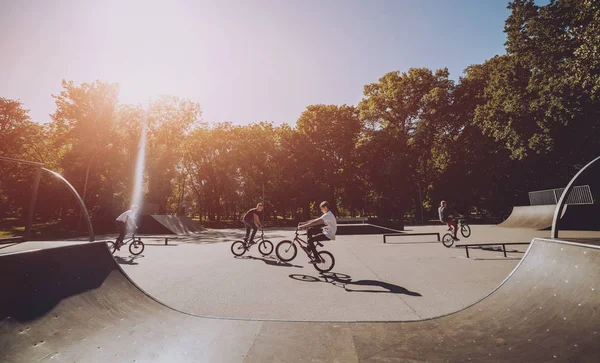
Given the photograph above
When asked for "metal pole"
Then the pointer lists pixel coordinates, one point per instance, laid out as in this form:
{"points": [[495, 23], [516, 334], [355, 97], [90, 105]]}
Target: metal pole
{"points": [[19, 161], [421, 203], [87, 174], [32, 202], [78, 197]]}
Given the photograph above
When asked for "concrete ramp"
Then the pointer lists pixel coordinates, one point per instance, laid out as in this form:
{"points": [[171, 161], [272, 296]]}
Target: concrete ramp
{"points": [[180, 225], [75, 304], [535, 216]]}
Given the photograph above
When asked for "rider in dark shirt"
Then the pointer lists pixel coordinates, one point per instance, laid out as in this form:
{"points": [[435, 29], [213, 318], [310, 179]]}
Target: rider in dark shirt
{"points": [[252, 222]]}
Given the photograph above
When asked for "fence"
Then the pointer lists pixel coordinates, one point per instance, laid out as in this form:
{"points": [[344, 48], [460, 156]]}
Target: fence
{"points": [[581, 194]]}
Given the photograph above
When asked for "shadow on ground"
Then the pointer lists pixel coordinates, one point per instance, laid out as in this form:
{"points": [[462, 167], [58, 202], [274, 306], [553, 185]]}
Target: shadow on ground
{"points": [[272, 261], [129, 260], [345, 281]]}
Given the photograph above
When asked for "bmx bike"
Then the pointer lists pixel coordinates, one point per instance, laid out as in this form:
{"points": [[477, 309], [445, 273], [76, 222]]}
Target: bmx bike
{"points": [[136, 246], [265, 247], [286, 251], [465, 231]]}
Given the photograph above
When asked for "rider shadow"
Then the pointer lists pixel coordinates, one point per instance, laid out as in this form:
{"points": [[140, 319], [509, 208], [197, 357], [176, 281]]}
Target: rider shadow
{"points": [[345, 281], [129, 260], [269, 261]]}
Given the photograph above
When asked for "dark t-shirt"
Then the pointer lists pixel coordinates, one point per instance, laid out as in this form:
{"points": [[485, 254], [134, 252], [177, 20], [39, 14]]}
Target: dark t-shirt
{"points": [[249, 216]]}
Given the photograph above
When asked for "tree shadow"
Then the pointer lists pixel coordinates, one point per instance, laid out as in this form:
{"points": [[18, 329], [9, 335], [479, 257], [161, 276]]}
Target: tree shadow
{"points": [[271, 261], [345, 281]]}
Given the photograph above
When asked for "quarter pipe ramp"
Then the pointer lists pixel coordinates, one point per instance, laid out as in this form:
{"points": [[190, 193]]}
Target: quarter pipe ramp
{"points": [[74, 303], [180, 225], [534, 216]]}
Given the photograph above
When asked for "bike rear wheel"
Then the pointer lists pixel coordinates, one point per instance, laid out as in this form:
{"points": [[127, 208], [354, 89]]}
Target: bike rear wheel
{"points": [[327, 262], [465, 230], [136, 247], [238, 248], [448, 240], [265, 247], [286, 250]]}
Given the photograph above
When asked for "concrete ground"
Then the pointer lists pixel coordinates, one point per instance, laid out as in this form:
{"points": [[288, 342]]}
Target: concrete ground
{"points": [[409, 278]]}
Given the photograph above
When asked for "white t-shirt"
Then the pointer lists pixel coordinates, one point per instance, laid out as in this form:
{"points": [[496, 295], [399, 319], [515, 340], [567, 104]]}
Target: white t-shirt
{"points": [[330, 225], [123, 217]]}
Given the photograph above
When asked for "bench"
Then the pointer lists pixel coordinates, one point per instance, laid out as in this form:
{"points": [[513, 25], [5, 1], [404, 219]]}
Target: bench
{"points": [[167, 238], [410, 234], [351, 220], [468, 245]]}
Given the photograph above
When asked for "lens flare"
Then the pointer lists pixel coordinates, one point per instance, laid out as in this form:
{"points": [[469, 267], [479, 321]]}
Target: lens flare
{"points": [[138, 187]]}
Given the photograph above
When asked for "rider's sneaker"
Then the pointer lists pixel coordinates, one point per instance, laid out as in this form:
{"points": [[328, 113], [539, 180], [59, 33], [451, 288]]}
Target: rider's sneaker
{"points": [[456, 239]]}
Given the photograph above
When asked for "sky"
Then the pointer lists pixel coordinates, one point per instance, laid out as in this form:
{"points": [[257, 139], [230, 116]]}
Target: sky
{"points": [[243, 61]]}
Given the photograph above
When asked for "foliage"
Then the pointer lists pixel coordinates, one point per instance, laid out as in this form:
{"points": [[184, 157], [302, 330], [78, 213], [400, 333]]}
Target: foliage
{"points": [[521, 121]]}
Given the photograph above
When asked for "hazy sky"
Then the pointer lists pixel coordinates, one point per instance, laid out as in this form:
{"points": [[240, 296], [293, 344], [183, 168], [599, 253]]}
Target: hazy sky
{"points": [[243, 61]]}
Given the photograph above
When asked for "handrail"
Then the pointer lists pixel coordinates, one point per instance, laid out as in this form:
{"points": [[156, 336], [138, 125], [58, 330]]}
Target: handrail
{"points": [[563, 198], [34, 197], [78, 197], [503, 244]]}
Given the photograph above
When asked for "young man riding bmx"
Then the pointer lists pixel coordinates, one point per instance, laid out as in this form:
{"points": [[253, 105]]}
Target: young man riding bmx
{"points": [[123, 222], [320, 229], [447, 217], [252, 223]]}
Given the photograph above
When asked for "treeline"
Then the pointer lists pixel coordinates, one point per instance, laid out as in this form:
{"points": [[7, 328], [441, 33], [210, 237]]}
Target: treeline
{"points": [[521, 121]]}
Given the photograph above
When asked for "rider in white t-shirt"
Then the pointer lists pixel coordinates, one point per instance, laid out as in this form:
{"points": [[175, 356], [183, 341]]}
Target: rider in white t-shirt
{"points": [[124, 220], [320, 229]]}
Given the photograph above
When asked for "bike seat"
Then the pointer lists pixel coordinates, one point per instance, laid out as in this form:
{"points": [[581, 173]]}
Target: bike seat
{"points": [[319, 244]]}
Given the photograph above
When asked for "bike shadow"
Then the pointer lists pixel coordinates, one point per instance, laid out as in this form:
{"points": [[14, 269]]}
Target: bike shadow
{"points": [[269, 261], [129, 260], [345, 281]]}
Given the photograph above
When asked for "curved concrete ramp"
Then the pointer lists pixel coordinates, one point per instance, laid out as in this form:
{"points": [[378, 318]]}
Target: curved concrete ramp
{"points": [[534, 216], [74, 303]]}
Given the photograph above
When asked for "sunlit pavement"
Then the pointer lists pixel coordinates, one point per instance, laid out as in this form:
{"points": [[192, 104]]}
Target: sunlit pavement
{"points": [[371, 281], [410, 278]]}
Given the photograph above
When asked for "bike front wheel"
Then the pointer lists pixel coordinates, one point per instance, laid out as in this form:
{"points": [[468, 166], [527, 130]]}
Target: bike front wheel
{"points": [[286, 251], [327, 262], [238, 248], [136, 247], [465, 230], [265, 247], [448, 240]]}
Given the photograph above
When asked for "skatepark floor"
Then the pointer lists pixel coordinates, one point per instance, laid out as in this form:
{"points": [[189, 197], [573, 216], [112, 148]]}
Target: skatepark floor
{"points": [[408, 278], [87, 309]]}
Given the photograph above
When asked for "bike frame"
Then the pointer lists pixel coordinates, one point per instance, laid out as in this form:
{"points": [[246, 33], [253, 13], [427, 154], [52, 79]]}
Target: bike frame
{"points": [[129, 240], [303, 244]]}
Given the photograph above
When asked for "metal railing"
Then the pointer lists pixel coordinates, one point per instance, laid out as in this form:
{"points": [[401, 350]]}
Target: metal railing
{"points": [[581, 194]]}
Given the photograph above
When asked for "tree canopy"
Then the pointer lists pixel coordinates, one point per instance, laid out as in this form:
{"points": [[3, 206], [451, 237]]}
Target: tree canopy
{"points": [[520, 121]]}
